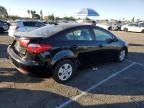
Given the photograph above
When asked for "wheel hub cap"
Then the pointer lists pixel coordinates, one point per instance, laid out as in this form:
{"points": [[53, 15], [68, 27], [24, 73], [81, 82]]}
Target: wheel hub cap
{"points": [[65, 72], [122, 55]]}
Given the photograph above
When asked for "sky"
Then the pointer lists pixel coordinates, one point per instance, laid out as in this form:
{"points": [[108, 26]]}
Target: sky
{"points": [[108, 9]]}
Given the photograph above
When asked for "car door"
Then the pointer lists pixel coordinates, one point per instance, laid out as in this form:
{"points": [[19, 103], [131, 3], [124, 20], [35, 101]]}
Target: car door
{"points": [[82, 42], [136, 28], [130, 27], [106, 43]]}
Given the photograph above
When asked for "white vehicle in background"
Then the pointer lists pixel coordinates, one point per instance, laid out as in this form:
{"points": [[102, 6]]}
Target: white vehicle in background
{"points": [[132, 28], [24, 26], [141, 24]]}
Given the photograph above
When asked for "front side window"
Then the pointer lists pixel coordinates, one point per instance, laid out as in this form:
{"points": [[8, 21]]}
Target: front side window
{"points": [[134, 25], [39, 24], [79, 34], [102, 35]]}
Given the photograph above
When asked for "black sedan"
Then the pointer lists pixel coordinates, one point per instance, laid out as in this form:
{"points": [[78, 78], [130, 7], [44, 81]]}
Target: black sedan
{"points": [[61, 49]]}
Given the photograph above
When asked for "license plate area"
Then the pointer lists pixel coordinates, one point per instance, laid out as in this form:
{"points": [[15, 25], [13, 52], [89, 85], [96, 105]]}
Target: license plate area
{"points": [[19, 49]]}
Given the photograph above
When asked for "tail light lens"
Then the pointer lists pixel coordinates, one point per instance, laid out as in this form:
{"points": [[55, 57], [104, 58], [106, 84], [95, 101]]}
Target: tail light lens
{"points": [[24, 42], [38, 48]]}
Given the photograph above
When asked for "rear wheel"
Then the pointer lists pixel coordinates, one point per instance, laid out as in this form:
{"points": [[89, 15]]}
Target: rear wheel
{"points": [[126, 29], [64, 71], [1, 30], [121, 55]]}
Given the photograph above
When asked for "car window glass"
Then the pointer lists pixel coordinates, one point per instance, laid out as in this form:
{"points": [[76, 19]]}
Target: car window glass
{"points": [[81, 34], [130, 25], [29, 24], [102, 35], [134, 25], [39, 24]]}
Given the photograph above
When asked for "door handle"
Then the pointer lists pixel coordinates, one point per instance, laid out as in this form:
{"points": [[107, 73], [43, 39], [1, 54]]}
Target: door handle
{"points": [[74, 46]]}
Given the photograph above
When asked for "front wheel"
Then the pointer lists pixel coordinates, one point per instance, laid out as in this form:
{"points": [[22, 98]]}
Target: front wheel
{"points": [[64, 71], [121, 55], [126, 29]]}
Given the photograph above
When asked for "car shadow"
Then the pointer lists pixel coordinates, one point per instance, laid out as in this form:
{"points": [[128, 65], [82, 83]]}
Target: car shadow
{"points": [[3, 50], [113, 90], [12, 75], [132, 44], [131, 85], [26, 98], [4, 33]]}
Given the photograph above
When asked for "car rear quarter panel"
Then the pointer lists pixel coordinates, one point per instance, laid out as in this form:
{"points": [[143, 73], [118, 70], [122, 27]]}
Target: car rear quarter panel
{"points": [[63, 54]]}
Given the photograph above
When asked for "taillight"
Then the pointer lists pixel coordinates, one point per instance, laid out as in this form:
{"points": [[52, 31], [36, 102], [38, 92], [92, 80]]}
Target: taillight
{"points": [[38, 48], [24, 42]]}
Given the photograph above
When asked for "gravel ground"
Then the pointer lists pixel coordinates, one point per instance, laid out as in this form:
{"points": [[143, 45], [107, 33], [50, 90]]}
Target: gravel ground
{"points": [[124, 90]]}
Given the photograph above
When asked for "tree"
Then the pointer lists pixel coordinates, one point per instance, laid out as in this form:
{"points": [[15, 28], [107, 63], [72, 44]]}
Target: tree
{"points": [[51, 17], [3, 12], [34, 12], [36, 16], [41, 14], [69, 18], [28, 11], [58, 18], [133, 19], [46, 18]]}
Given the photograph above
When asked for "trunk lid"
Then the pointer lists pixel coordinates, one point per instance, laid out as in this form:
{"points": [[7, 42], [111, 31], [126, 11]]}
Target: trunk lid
{"points": [[21, 42]]}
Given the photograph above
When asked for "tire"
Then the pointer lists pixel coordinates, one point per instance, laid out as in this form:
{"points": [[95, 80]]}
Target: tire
{"points": [[126, 29], [1, 30], [121, 55], [109, 28], [142, 31], [66, 66]]}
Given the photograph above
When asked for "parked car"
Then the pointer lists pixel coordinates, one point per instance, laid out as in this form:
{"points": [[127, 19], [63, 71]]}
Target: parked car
{"points": [[141, 24], [61, 49], [133, 28], [24, 26], [115, 25], [4, 26]]}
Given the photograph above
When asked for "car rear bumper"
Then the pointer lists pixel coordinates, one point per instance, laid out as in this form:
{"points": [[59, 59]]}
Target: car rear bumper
{"points": [[26, 67]]}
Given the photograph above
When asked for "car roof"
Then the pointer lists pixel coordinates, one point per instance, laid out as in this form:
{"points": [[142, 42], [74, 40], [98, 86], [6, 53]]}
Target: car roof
{"points": [[67, 26], [28, 21], [50, 30]]}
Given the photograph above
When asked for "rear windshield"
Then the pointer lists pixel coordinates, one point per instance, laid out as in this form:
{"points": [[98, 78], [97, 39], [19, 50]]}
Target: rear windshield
{"points": [[47, 30]]}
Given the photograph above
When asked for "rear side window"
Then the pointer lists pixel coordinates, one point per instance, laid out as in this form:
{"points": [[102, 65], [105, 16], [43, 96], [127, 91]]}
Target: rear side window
{"points": [[79, 34]]}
